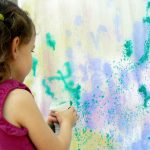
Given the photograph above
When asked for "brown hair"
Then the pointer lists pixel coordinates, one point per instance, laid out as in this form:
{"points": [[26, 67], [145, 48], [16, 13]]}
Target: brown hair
{"points": [[16, 23]]}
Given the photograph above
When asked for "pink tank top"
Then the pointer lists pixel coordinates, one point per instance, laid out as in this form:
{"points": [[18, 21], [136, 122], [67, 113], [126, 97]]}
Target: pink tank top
{"points": [[11, 136]]}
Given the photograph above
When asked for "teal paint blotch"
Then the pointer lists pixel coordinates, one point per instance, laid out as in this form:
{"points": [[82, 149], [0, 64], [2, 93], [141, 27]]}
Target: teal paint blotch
{"points": [[128, 48], [145, 57], [34, 65], [143, 91], [109, 141], [147, 8], [47, 88], [71, 103], [67, 74], [50, 41], [147, 18], [69, 85], [74, 91]]}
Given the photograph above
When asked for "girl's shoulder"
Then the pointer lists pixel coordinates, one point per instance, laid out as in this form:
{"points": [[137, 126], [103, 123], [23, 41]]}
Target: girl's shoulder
{"points": [[9, 85], [15, 101], [12, 95]]}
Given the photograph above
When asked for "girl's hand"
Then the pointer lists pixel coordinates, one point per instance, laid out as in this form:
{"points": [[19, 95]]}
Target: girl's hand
{"points": [[52, 118], [68, 116]]}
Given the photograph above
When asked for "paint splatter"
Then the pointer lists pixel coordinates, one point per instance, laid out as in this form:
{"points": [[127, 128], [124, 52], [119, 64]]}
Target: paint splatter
{"points": [[71, 103], [66, 76], [84, 137], [117, 23], [69, 85], [147, 18], [148, 6], [105, 105], [143, 91], [50, 41], [143, 143], [34, 65], [145, 57], [128, 48], [78, 20], [47, 88]]}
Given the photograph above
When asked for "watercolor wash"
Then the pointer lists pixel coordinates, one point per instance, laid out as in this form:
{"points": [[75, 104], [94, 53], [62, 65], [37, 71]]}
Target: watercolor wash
{"points": [[101, 66]]}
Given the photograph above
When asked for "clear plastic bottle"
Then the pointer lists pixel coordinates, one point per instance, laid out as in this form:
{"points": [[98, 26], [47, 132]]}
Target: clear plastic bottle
{"points": [[59, 107]]}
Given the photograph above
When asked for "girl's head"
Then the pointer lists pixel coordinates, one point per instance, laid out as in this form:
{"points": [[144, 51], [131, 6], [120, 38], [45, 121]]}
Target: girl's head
{"points": [[17, 37]]}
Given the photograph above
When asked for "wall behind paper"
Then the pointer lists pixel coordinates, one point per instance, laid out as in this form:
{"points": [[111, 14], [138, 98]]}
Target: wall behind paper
{"points": [[95, 54]]}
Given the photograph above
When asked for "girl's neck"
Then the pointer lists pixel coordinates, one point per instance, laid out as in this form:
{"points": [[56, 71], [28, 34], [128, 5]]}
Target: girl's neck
{"points": [[8, 78]]}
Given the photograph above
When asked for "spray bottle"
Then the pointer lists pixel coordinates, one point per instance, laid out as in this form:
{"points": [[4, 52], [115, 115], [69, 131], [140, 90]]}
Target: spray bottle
{"points": [[59, 107]]}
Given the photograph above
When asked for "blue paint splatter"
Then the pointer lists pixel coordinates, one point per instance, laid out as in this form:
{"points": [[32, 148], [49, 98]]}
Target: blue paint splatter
{"points": [[84, 71], [117, 25], [78, 20], [139, 36], [143, 143], [101, 29], [107, 70]]}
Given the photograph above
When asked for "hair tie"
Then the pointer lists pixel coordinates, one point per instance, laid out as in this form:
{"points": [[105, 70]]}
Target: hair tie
{"points": [[1, 17]]}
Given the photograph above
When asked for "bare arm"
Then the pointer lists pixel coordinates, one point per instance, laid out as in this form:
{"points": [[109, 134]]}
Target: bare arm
{"points": [[27, 114]]}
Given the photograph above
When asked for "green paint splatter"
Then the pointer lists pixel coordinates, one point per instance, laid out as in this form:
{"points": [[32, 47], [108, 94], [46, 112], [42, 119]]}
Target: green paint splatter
{"points": [[109, 141], [69, 85], [145, 57], [143, 91], [148, 7], [147, 18], [71, 103], [50, 42], [128, 48], [47, 88], [74, 91], [84, 137], [67, 75], [34, 65]]}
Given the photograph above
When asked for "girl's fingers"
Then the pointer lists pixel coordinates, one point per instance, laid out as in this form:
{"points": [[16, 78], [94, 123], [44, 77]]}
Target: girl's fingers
{"points": [[71, 108], [52, 119], [52, 113]]}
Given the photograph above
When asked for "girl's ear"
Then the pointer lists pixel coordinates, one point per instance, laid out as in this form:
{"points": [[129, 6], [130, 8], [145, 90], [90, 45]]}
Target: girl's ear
{"points": [[15, 47]]}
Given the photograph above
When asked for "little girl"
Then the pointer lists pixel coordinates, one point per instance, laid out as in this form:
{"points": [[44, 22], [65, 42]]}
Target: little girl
{"points": [[22, 126]]}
